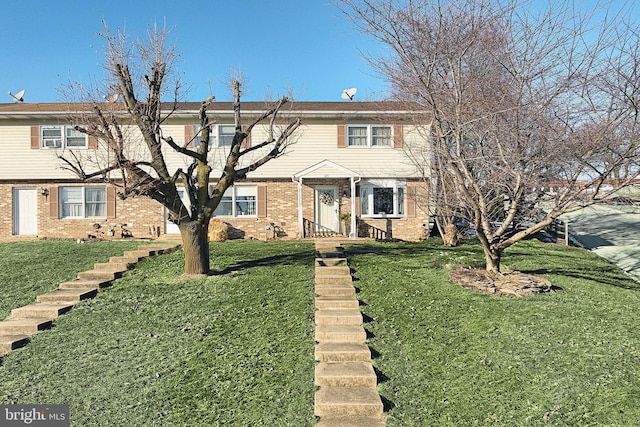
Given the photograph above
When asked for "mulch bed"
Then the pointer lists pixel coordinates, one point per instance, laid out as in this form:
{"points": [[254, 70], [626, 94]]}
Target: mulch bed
{"points": [[512, 283]]}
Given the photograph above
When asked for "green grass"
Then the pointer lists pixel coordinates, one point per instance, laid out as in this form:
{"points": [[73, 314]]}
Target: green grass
{"points": [[450, 356], [235, 348], [28, 269]]}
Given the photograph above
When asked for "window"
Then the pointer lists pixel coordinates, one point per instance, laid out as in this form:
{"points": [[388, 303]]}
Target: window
{"points": [[62, 137], [369, 136], [382, 199], [83, 202], [221, 135], [238, 201]]}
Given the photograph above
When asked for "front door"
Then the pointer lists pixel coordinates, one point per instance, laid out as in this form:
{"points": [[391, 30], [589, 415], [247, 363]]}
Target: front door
{"points": [[327, 209], [25, 212]]}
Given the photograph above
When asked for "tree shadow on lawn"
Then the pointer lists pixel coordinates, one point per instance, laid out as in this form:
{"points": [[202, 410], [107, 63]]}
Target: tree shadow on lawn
{"points": [[294, 258], [607, 273]]}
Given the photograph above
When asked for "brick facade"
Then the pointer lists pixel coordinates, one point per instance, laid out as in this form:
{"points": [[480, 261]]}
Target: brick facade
{"points": [[144, 217]]}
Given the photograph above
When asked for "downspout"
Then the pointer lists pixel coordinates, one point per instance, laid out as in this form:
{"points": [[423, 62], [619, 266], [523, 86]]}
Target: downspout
{"points": [[300, 219], [353, 233]]}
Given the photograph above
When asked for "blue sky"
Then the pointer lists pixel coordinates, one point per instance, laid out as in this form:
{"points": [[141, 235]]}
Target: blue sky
{"points": [[305, 45]]}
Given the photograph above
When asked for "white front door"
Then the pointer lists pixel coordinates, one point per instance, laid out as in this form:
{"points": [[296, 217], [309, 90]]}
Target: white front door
{"points": [[25, 212], [327, 209], [170, 227]]}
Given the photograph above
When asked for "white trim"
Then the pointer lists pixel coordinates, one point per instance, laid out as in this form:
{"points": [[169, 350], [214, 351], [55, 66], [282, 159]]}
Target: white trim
{"points": [[214, 135], [332, 170], [63, 144]]}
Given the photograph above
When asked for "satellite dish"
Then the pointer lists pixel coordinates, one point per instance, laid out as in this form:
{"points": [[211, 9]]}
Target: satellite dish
{"points": [[112, 98], [18, 97], [349, 93]]}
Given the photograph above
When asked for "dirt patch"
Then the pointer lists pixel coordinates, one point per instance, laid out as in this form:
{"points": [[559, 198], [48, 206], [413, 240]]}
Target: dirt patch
{"points": [[512, 283]]}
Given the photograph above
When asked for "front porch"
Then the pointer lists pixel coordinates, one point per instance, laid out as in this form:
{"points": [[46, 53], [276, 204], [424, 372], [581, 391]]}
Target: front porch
{"points": [[332, 212], [364, 230]]}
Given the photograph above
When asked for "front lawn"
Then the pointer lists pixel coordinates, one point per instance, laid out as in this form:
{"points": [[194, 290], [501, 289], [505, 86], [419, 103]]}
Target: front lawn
{"points": [[28, 269], [235, 348], [450, 356]]}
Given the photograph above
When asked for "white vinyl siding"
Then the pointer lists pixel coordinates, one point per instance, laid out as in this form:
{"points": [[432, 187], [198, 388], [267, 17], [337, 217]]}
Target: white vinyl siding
{"points": [[314, 142]]}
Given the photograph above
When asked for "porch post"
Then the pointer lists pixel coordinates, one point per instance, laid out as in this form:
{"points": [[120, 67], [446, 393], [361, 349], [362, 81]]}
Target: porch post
{"points": [[353, 233], [300, 219]]}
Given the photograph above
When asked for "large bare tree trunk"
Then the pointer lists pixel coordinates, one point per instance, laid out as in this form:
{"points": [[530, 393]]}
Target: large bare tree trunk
{"points": [[195, 244], [492, 252]]}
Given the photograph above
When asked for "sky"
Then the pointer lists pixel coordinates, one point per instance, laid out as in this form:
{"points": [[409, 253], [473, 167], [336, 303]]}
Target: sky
{"points": [[305, 46]]}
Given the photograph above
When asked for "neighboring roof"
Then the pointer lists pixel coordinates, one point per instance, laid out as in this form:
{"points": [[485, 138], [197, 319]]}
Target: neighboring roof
{"points": [[24, 110]]}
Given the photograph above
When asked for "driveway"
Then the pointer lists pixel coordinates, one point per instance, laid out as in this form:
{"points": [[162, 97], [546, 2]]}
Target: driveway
{"points": [[612, 232]]}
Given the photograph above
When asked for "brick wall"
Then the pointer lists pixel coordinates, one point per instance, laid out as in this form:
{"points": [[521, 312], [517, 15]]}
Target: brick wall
{"points": [[142, 214]]}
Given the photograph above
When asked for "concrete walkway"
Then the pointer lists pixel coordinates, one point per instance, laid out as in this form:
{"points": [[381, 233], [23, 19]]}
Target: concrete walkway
{"points": [[347, 393], [26, 321], [611, 232]]}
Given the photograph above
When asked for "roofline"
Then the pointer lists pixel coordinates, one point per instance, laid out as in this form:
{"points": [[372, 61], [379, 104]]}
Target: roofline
{"points": [[319, 109]]}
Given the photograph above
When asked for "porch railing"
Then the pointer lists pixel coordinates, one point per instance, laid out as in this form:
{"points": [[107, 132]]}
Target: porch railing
{"points": [[313, 229], [372, 232]]}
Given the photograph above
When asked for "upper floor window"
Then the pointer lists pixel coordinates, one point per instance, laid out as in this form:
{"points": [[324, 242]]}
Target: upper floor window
{"points": [[83, 202], [220, 136], [382, 199], [62, 137], [241, 200], [369, 136]]}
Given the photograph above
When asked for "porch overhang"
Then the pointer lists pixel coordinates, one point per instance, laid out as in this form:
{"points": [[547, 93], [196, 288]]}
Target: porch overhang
{"points": [[327, 169]]}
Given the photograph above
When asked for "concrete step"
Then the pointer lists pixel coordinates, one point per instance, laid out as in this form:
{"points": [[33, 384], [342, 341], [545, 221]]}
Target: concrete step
{"points": [[329, 253], [24, 326], [329, 246], [124, 259], [345, 374], [352, 422], [336, 270], [113, 266], [347, 316], [333, 302], [41, 310], [138, 253], [11, 342], [340, 334], [336, 290], [342, 352], [159, 249], [333, 402], [67, 295], [99, 275], [330, 262], [333, 279], [85, 284]]}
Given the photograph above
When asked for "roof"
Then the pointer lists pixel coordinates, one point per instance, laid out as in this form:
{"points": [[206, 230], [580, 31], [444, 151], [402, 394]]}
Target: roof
{"points": [[29, 110], [326, 169]]}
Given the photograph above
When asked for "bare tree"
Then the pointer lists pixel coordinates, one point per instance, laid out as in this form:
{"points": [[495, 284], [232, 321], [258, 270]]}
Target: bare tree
{"points": [[132, 151], [533, 112]]}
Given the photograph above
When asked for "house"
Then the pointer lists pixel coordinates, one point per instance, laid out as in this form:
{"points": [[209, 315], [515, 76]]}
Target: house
{"points": [[348, 162]]}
